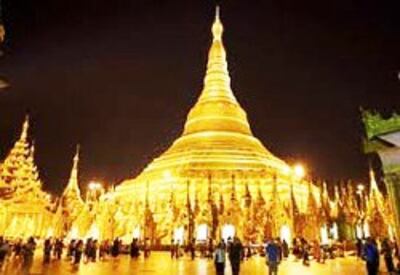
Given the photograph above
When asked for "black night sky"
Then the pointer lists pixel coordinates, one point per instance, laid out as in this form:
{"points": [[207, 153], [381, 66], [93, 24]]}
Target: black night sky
{"points": [[119, 76]]}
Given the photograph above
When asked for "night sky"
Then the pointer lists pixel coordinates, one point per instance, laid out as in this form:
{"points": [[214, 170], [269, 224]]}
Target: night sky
{"points": [[119, 77]]}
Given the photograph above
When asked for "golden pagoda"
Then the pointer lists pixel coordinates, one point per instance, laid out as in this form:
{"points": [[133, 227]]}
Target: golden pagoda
{"points": [[70, 203], [200, 186], [24, 206]]}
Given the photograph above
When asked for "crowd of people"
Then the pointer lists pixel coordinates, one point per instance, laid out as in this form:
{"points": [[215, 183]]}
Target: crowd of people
{"points": [[20, 254]]}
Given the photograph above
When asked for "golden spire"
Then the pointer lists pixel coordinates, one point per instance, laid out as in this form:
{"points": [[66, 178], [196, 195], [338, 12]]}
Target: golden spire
{"points": [[217, 81], [373, 184], [25, 128], [73, 186], [217, 108]]}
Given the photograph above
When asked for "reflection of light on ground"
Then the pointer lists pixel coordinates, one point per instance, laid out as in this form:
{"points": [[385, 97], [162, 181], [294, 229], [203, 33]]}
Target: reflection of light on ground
{"points": [[202, 232], [160, 263], [228, 231]]}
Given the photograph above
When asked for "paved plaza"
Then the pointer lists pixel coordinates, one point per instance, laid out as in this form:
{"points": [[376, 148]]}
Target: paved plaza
{"points": [[161, 263]]}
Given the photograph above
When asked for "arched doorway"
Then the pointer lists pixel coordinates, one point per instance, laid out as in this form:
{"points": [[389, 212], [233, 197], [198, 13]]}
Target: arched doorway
{"points": [[136, 233], [324, 235], [179, 235], [286, 234], [93, 232], [202, 233], [334, 232], [228, 232]]}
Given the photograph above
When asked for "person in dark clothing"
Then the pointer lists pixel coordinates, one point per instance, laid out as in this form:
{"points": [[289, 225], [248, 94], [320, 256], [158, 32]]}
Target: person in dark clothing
{"points": [[78, 252], [115, 249], [305, 252], [27, 252], [71, 249], [58, 248], [273, 255], [47, 251], [93, 251], [210, 248], [192, 249], [86, 252], [134, 249], [359, 246], [220, 259], [235, 255], [285, 248], [18, 249], [371, 257], [387, 252]]}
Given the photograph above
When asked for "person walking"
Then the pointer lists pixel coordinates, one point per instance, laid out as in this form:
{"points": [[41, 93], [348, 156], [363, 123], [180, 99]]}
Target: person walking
{"points": [[28, 250], [134, 249], [305, 252], [47, 251], [371, 256], [71, 249], [272, 254], [102, 251], [78, 252], [235, 255], [115, 248], [220, 259], [387, 251], [58, 248], [285, 249], [191, 248], [359, 247]]}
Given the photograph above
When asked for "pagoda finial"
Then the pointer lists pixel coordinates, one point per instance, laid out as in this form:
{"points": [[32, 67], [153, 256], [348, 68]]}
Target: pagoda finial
{"points": [[217, 27], [25, 128]]}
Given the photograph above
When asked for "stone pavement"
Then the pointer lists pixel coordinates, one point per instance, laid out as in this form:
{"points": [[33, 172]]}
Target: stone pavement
{"points": [[161, 263]]}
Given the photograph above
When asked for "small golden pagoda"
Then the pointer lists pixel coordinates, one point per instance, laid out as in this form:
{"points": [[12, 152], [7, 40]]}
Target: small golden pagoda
{"points": [[24, 206], [208, 181], [70, 204]]}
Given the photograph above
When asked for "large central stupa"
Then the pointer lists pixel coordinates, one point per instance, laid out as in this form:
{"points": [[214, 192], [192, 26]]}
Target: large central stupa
{"points": [[217, 158]]}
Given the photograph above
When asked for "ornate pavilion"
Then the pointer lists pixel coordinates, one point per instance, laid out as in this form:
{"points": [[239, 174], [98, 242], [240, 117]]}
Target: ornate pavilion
{"points": [[215, 181]]}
